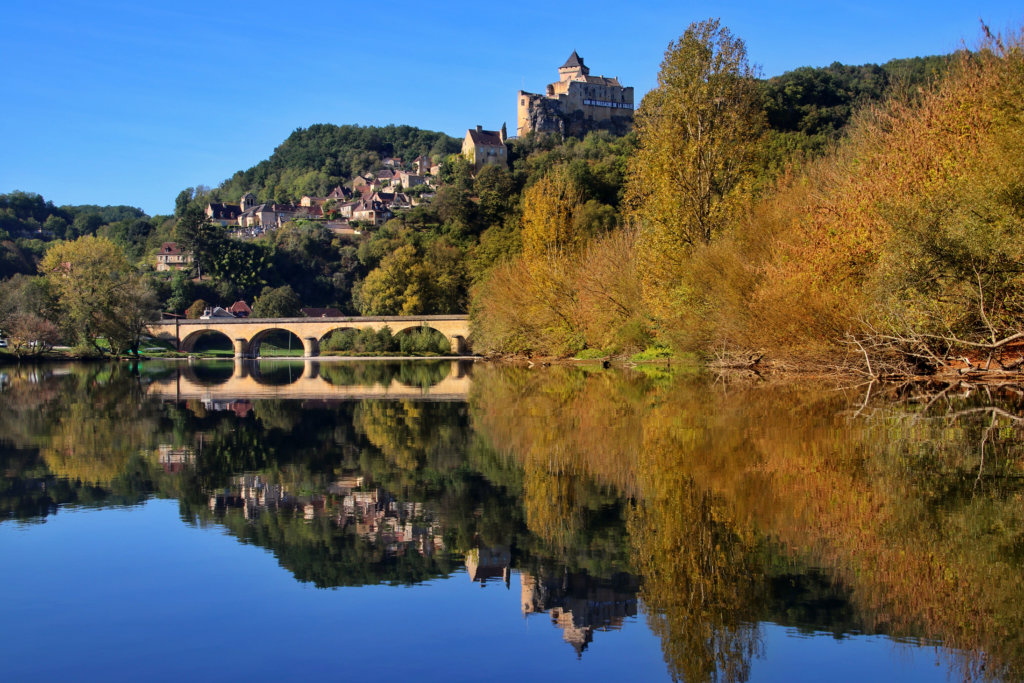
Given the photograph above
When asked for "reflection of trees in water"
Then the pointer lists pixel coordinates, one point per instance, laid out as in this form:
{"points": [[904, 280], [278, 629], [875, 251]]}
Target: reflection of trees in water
{"points": [[916, 516], [423, 374], [700, 578], [209, 372], [275, 372]]}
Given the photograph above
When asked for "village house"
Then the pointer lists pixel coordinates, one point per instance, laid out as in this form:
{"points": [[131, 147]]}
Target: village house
{"points": [[269, 216], [345, 208], [172, 257], [360, 182], [421, 165], [223, 214], [396, 201], [485, 147], [371, 211], [408, 180], [240, 309], [339, 193]]}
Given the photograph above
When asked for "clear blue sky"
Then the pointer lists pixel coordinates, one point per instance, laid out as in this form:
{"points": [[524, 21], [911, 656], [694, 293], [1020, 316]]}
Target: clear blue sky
{"points": [[128, 102]]}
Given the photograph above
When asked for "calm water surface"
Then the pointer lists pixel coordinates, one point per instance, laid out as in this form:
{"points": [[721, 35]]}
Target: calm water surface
{"points": [[445, 521]]}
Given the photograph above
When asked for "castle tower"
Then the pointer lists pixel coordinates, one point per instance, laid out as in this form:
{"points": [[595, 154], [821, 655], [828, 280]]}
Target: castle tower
{"points": [[573, 69]]}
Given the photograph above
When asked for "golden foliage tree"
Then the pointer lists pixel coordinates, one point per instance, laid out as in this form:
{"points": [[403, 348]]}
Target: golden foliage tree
{"points": [[698, 132], [550, 207]]}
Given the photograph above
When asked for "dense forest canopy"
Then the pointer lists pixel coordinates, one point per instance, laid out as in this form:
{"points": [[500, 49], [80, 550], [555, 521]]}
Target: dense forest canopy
{"points": [[821, 100]]}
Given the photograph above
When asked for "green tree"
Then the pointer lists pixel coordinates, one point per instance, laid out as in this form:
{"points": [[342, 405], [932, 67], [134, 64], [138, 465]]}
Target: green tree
{"points": [[124, 323], [279, 302], [197, 234], [240, 264], [493, 185], [86, 224], [57, 225], [400, 285], [180, 291], [182, 201]]}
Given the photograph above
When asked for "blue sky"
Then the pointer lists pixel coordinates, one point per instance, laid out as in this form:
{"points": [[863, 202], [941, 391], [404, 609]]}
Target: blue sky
{"points": [[127, 102]]}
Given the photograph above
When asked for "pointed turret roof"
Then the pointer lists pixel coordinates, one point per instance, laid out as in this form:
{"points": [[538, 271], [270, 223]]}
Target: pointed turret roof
{"points": [[574, 61]]}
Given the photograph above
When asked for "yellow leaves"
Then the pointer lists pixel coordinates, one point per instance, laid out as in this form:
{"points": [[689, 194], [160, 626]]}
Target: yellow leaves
{"points": [[549, 209]]}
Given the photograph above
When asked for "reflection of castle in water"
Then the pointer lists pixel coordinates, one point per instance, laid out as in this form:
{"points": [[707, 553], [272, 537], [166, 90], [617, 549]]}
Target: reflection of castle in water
{"points": [[374, 514], [580, 604], [576, 602]]}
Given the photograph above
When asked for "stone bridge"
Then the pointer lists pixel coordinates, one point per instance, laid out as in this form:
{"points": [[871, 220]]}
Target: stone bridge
{"points": [[312, 380], [246, 334]]}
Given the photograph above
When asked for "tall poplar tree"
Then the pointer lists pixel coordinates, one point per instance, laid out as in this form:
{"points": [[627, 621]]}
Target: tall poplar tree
{"points": [[698, 132]]}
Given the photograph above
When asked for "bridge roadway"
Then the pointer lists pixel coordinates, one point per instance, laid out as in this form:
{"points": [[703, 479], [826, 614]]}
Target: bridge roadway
{"points": [[246, 382], [247, 333]]}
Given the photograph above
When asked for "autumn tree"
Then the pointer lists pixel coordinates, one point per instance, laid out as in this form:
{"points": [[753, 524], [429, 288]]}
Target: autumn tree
{"points": [[97, 292], [697, 136], [410, 283], [550, 208]]}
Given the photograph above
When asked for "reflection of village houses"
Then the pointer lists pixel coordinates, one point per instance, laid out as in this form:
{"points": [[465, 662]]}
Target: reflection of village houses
{"points": [[580, 604], [175, 459], [240, 407], [372, 514]]}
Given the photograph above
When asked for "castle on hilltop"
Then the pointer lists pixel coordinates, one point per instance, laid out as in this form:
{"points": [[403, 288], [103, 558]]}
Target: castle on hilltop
{"points": [[577, 104]]}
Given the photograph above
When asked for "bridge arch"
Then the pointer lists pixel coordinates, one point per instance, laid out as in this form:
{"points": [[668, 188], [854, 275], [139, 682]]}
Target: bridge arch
{"points": [[295, 341], [188, 344]]}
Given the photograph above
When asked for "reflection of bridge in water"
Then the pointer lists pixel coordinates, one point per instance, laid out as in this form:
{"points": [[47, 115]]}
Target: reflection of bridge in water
{"points": [[309, 380]]}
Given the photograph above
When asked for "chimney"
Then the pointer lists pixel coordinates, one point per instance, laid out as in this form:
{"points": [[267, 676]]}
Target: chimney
{"points": [[479, 129]]}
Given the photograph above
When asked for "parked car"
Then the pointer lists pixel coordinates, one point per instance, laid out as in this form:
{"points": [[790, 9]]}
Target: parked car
{"points": [[3, 343]]}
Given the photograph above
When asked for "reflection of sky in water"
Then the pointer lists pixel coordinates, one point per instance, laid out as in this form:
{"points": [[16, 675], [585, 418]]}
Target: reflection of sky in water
{"points": [[129, 593], [794, 656]]}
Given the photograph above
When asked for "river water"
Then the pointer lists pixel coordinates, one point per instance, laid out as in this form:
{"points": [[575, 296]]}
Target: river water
{"points": [[450, 521]]}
